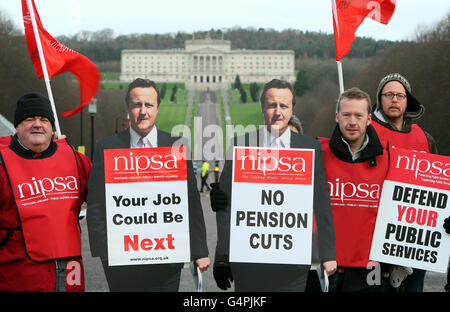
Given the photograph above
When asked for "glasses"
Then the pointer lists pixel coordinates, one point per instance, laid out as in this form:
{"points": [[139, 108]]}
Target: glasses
{"points": [[390, 95]]}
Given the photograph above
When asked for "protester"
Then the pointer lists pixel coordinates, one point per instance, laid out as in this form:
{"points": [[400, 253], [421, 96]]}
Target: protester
{"points": [[277, 101], [43, 184], [142, 100], [204, 176], [394, 113], [354, 157]]}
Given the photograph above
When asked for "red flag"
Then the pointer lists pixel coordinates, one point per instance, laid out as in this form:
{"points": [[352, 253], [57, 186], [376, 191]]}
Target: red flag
{"points": [[60, 59], [349, 14]]}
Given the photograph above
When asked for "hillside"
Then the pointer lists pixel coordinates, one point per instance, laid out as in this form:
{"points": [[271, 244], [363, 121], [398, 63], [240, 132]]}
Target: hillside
{"points": [[104, 48]]}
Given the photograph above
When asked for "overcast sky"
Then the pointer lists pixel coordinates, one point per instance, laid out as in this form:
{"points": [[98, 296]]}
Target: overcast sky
{"points": [[67, 17]]}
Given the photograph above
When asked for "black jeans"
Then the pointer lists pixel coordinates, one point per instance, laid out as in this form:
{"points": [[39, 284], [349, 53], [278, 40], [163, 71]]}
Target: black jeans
{"points": [[351, 280], [139, 278]]}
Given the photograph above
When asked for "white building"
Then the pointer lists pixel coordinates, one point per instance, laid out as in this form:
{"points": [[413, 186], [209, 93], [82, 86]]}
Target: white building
{"points": [[208, 63]]}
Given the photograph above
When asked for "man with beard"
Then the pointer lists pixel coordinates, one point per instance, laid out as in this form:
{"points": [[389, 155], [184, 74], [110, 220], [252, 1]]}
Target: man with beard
{"points": [[394, 112]]}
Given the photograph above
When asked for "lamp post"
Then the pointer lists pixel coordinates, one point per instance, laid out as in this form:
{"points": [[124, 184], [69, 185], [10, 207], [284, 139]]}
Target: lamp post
{"points": [[92, 111]]}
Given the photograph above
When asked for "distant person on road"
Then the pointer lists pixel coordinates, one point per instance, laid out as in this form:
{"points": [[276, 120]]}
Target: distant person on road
{"points": [[205, 174], [216, 172], [42, 186], [142, 100]]}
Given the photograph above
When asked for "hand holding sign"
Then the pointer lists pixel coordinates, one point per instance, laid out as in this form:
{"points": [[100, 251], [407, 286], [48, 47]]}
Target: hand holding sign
{"points": [[203, 263], [330, 267], [447, 225], [398, 274], [222, 275]]}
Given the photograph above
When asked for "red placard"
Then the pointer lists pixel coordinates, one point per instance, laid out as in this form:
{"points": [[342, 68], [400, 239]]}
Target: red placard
{"points": [[419, 168], [276, 166], [129, 165]]}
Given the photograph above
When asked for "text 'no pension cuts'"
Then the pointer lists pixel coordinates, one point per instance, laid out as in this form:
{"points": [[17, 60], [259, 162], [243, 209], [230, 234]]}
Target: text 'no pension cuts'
{"points": [[272, 219]]}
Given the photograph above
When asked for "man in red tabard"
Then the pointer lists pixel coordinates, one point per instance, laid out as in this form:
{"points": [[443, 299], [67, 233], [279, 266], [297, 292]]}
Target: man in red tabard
{"points": [[42, 186]]}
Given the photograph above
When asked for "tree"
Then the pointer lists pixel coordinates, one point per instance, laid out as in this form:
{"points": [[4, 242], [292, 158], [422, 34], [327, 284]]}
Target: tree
{"points": [[237, 83], [162, 92], [174, 93], [243, 95], [254, 92], [301, 84]]}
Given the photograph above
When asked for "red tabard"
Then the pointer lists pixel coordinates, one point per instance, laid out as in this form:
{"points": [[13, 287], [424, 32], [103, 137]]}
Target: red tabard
{"points": [[413, 140], [47, 196], [355, 190], [5, 141]]}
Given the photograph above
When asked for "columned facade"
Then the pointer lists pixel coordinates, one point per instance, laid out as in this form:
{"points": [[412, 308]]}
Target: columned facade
{"points": [[207, 64]]}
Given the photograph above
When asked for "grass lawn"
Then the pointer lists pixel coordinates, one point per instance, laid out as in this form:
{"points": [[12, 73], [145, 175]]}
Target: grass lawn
{"points": [[110, 75], [170, 115], [115, 85], [246, 114]]}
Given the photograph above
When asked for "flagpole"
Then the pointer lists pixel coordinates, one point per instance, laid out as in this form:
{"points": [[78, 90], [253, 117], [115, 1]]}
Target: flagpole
{"points": [[341, 77], [338, 62], [44, 65]]}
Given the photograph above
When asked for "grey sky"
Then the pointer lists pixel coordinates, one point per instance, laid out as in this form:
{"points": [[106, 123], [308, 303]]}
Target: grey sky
{"points": [[67, 17]]}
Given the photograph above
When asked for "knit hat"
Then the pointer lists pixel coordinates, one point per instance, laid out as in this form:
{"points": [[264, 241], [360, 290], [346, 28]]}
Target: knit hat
{"points": [[33, 104], [413, 109]]}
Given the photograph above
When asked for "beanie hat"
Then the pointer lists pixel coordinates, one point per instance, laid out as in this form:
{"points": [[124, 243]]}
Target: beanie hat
{"points": [[33, 104], [414, 109]]}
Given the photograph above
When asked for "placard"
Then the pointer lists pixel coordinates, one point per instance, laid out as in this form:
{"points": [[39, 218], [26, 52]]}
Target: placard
{"points": [[414, 203], [146, 206], [272, 205]]}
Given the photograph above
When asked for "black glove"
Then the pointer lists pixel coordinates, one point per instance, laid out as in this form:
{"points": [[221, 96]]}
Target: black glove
{"points": [[218, 198], [447, 225], [222, 275]]}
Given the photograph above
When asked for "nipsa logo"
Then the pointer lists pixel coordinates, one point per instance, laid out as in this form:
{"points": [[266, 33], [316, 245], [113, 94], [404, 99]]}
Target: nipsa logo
{"points": [[424, 166], [271, 163], [347, 190], [140, 163], [46, 186]]}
